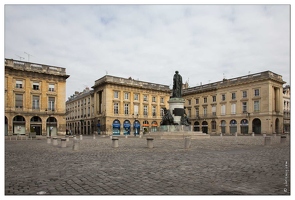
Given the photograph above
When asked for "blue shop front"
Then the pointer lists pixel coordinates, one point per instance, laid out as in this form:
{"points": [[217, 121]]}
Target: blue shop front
{"points": [[126, 127], [116, 127], [136, 127]]}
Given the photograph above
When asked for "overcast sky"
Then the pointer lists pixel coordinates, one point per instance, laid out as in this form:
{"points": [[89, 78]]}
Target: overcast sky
{"points": [[205, 43]]}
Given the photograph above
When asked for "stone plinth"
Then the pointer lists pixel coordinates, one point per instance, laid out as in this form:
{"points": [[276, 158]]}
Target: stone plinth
{"points": [[175, 107], [150, 144]]}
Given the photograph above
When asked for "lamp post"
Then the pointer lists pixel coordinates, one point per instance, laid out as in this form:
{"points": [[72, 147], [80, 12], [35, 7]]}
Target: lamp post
{"points": [[267, 125], [82, 121], [135, 116], [248, 115]]}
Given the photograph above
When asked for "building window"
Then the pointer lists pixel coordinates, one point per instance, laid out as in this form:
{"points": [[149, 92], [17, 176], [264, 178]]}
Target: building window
{"points": [[256, 92], [19, 84], [189, 112], [145, 110], [116, 108], [244, 94], [214, 110], [189, 102], [197, 112], [136, 110], [162, 100], [256, 106], [161, 112], [126, 95], [136, 97], [233, 96], [223, 97], [154, 111], [153, 99], [126, 109], [233, 109], [18, 101], [145, 98], [51, 102], [222, 109], [35, 103], [116, 94], [244, 107], [197, 101], [205, 99], [35, 86], [205, 111], [51, 87], [214, 98]]}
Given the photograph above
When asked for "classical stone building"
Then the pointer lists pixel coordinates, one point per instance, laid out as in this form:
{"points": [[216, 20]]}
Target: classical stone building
{"points": [[80, 113], [287, 108], [34, 98], [117, 106], [251, 103]]}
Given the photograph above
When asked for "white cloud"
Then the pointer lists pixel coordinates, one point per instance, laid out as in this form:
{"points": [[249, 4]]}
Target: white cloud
{"points": [[150, 42]]}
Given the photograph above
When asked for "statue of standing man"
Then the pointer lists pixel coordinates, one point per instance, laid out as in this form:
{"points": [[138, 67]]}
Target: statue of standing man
{"points": [[177, 85]]}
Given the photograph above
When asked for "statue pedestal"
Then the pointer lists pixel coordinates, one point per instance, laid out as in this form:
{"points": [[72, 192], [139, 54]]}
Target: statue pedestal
{"points": [[176, 107]]}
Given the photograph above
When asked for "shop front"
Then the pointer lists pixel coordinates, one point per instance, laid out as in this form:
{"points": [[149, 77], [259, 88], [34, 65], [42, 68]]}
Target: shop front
{"points": [[116, 127], [126, 127]]}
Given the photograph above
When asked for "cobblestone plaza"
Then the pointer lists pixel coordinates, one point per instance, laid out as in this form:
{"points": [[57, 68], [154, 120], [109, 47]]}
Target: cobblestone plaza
{"points": [[226, 165]]}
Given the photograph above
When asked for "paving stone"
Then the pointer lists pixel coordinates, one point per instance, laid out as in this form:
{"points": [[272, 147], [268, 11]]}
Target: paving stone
{"points": [[231, 165]]}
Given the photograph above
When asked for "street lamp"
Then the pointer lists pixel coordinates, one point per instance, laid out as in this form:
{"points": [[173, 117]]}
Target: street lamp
{"points": [[268, 125], [82, 121], [248, 115]]}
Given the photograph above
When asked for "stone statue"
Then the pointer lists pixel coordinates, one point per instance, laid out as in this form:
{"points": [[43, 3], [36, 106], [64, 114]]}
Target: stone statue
{"points": [[177, 85], [167, 118], [184, 120]]}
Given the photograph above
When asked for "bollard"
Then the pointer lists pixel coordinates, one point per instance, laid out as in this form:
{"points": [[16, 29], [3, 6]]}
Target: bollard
{"points": [[48, 139], [111, 136], [115, 142], [126, 136], [150, 143], [63, 142], [236, 134], [67, 138], [267, 140], [187, 142], [220, 134], [253, 134], [54, 141], [76, 145], [93, 136], [283, 139], [81, 137]]}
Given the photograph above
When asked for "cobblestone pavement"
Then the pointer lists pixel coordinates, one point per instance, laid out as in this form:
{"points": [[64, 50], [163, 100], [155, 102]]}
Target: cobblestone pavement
{"points": [[225, 165]]}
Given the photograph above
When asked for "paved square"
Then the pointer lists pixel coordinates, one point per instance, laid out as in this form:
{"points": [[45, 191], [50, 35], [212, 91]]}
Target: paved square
{"points": [[219, 165]]}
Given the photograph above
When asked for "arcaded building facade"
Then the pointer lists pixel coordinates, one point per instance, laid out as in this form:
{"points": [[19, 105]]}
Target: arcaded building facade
{"points": [[80, 113], [243, 105], [118, 106], [34, 98], [287, 107]]}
